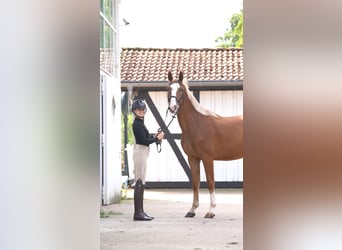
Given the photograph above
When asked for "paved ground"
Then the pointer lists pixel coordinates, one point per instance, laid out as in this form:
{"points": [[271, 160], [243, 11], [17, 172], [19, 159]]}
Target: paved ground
{"points": [[170, 229]]}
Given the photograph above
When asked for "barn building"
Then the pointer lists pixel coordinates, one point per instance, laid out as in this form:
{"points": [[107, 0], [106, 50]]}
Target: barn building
{"points": [[215, 77]]}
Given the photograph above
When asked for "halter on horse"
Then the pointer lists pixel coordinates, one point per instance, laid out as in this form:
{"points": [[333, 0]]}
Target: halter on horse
{"points": [[206, 137]]}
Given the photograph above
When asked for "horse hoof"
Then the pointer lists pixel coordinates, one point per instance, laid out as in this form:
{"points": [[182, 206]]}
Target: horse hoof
{"points": [[209, 215], [190, 214]]}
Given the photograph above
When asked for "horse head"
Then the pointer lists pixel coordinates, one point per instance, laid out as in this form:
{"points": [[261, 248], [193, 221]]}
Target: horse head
{"points": [[175, 92]]}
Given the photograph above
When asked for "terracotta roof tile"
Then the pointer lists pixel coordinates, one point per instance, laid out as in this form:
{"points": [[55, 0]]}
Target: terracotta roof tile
{"points": [[153, 64]]}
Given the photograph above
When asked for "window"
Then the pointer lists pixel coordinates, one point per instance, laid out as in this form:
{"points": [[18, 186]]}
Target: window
{"points": [[108, 34]]}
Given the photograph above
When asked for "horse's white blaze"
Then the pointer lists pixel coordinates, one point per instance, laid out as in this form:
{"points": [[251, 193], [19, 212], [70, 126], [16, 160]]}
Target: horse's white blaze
{"points": [[173, 101]]}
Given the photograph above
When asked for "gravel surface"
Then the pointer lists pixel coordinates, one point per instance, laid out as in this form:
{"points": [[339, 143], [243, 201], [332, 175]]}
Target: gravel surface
{"points": [[170, 229]]}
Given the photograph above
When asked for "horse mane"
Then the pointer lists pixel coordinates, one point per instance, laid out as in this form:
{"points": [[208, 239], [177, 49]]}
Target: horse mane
{"points": [[195, 103]]}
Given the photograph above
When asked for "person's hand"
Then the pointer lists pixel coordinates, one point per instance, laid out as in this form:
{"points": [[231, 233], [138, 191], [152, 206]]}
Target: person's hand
{"points": [[160, 135]]}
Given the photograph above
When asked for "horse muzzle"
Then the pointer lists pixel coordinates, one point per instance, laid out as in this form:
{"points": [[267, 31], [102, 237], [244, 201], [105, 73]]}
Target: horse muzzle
{"points": [[173, 104]]}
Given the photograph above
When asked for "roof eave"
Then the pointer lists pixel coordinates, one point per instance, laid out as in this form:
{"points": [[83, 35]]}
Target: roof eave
{"points": [[202, 85]]}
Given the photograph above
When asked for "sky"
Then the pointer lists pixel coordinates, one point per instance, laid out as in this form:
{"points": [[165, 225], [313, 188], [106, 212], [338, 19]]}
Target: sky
{"points": [[175, 23]]}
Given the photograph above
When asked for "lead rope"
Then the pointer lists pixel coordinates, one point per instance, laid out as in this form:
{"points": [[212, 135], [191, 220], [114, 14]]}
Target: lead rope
{"points": [[158, 143]]}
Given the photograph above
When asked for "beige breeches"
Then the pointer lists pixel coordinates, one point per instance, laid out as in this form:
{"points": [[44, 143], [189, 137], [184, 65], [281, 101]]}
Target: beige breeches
{"points": [[140, 156]]}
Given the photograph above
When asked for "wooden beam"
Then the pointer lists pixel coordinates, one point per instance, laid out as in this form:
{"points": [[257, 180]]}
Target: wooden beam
{"points": [[184, 184]]}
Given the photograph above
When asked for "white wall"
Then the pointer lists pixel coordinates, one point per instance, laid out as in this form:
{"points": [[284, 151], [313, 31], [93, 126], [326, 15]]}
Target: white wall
{"points": [[164, 166], [112, 140], [110, 165]]}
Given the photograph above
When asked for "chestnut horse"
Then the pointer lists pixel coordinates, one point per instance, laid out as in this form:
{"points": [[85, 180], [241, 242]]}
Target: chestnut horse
{"points": [[206, 137]]}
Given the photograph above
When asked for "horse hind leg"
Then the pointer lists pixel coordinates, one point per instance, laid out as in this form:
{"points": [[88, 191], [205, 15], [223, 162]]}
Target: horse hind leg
{"points": [[209, 172], [211, 214], [195, 175]]}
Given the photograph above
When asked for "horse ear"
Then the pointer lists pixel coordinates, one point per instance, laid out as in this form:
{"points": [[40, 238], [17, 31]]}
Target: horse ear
{"points": [[170, 76], [181, 76]]}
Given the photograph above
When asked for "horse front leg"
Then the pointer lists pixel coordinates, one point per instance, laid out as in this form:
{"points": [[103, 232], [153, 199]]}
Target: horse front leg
{"points": [[209, 172], [195, 175]]}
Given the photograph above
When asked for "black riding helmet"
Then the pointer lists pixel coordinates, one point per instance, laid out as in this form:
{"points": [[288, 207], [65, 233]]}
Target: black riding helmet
{"points": [[138, 104]]}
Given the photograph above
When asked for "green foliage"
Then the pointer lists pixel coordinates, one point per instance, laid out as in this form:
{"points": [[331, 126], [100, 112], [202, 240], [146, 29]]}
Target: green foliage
{"points": [[130, 136], [108, 213], [233, 36]]}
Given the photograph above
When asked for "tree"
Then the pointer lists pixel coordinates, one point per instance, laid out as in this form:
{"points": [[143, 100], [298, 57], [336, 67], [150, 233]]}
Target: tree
{"points": [[233, 36]]}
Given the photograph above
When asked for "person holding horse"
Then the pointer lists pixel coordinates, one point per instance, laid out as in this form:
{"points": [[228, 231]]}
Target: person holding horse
{"points": [[141, 152]]}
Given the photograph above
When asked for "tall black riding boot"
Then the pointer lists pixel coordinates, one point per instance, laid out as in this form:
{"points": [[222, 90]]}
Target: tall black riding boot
{"points": [[143, 188], [138, 202]]}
